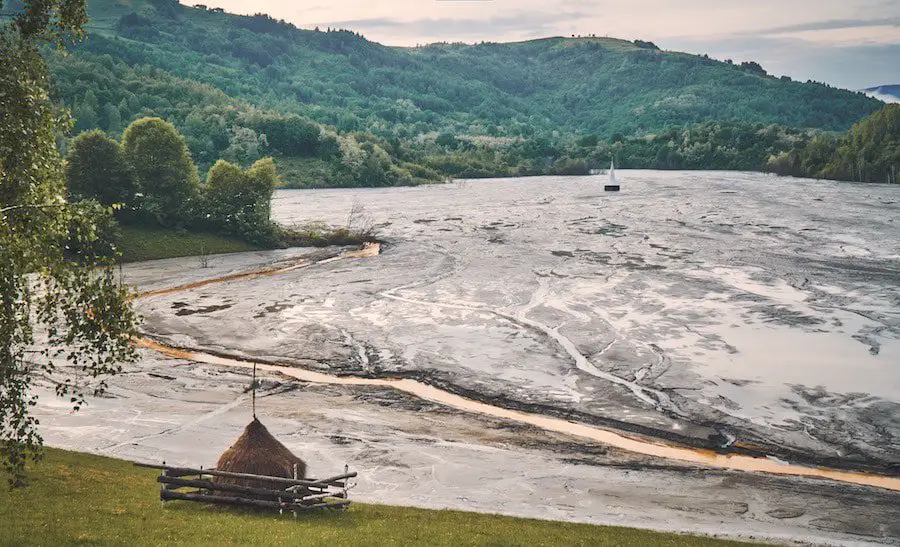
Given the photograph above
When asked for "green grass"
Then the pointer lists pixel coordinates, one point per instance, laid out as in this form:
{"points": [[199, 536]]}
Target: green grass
{"points": [[318, 234], [76, 498], [146, 243]]}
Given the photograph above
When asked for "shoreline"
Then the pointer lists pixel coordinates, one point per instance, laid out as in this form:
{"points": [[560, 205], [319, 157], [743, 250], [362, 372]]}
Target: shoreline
{"points": [[456, 180], [413, 453], [705, 457]]}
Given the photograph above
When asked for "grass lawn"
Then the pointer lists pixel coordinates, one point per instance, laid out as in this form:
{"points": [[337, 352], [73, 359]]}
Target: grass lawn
{"points": [[150, 243], [76, 498]]}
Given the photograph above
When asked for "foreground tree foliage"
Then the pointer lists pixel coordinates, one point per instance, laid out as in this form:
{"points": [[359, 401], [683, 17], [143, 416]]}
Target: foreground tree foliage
{"points": [[69, 303]]}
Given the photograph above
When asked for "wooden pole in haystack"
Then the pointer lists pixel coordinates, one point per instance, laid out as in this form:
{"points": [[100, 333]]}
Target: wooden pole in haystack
{"points": [[253, 394]]}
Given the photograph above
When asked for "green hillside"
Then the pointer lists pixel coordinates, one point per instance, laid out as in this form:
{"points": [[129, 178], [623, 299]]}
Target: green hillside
{"points": [[869, 152], [335, 109], [585, 85]]}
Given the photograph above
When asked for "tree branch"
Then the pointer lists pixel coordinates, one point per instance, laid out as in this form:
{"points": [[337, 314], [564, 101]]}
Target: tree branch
{"points": [[32, 206]]}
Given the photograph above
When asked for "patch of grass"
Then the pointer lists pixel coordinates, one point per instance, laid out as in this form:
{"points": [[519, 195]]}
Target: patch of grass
{"points": [[318, 234], [76, 498], [150, 243]]}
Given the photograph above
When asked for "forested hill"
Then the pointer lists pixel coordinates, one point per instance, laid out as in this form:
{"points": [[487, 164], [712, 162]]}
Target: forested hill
{"points": [[578, 86]]}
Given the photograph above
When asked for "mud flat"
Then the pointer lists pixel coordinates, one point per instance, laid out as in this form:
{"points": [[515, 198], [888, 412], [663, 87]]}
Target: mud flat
{"points": [[710, 309], [413, 452], [735, 312]]}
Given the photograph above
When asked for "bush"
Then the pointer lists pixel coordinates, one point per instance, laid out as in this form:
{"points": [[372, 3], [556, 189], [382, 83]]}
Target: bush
{"points": [[238, 202]]}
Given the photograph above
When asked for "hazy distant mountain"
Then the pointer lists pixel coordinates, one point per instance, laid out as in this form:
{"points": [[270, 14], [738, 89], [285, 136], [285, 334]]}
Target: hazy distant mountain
{"points": [[886, 93]]}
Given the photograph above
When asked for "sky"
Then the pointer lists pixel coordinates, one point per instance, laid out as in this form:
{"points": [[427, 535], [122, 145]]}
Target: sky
{"points": [[853, 44]]}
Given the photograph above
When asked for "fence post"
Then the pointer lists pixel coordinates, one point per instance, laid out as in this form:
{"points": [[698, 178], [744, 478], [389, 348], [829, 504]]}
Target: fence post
{"points": [[346, 483], [162, 488], [296, 473]]}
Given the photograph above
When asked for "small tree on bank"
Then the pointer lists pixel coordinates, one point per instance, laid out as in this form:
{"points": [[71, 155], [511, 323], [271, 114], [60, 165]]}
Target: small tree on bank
{"points": [[96, 168], [238, 202], [163, 170]]}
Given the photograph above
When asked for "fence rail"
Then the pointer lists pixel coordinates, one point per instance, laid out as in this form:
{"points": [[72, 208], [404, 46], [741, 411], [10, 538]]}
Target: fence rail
{"points": [[298, 495], [169, 495]]}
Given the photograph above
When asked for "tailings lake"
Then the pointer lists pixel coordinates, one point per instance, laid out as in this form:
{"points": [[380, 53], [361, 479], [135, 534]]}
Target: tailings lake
{"points": [[728, 313]]}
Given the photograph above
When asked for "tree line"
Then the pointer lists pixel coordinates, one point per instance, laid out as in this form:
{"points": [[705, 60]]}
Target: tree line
{"points": [[869, 152], [150, 178], [310, 155], [733, 145]]}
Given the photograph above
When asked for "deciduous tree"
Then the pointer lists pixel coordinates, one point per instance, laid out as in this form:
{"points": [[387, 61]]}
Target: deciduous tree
{"points": [[238, 202], [96, 169], [54, 307], [163, 169]]}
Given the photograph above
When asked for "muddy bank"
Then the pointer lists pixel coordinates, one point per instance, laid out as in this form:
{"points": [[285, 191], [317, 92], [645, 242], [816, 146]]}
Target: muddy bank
{"points": [[413, 452], [608, 437]]}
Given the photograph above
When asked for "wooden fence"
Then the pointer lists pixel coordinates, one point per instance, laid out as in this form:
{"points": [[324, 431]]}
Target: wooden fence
{"points": [[294, 495]]}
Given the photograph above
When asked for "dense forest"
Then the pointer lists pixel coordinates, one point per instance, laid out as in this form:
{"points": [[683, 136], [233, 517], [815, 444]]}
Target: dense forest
{"points": [[335, 109], [869, 152], [595, 86]]}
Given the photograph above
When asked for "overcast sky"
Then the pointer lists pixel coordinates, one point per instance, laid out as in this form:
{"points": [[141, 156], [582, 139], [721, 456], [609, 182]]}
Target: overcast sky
{"points": [[848, 43]]}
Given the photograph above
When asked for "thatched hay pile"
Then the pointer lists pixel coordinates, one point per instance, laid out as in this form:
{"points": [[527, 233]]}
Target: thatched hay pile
{"points": [[257, 452]]}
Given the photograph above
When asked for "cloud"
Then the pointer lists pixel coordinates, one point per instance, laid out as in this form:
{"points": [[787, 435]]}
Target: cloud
{"points": [[883, 97], [834, 24], [520, 23]]}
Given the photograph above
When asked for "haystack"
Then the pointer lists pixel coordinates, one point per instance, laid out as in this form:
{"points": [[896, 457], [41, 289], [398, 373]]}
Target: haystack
{"points": [[257, 452]]}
